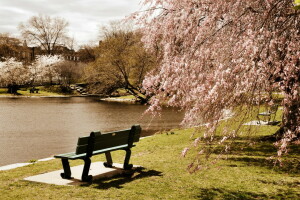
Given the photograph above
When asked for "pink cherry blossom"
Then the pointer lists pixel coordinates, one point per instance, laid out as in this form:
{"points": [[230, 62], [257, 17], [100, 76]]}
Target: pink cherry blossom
{"points": [[219, 55]]}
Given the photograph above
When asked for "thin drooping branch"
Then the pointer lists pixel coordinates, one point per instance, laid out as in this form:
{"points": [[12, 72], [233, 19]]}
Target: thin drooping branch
{"points": [[222, 55]]}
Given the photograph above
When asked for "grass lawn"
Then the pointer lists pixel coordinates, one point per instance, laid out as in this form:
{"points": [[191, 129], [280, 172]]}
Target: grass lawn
{"points": [[125, 96], [26, 92], [128, 97], [245, 174]]}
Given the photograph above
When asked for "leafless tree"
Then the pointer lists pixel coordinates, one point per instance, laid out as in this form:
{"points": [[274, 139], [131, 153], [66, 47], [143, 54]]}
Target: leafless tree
{"points": [[87, 53], [45, 31], [9, 46]]}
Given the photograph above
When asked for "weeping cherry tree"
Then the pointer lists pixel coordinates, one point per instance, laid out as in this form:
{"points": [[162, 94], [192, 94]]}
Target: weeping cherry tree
{"points": [[219, 56]]}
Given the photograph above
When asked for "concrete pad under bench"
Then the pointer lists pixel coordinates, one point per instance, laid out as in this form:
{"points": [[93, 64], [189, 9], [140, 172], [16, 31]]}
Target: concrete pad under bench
{"points": [[97, 170]]}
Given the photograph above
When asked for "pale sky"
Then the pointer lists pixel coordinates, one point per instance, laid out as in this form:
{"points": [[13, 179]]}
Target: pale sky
{"points": [[84, 16]]}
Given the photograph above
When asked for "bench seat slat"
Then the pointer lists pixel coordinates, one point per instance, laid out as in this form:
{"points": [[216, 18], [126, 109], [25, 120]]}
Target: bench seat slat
{"points": [[74, 156]]}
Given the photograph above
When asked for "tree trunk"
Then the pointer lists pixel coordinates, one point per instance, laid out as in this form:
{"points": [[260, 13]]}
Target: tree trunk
{"points": [[291, 115], [133, 90], [12, 89], [290, 126]]}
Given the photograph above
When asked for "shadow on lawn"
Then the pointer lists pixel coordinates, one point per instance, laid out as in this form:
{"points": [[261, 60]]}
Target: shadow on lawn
{"points": [[119, 180], [214, 193], [259, 154], [290, 166]]}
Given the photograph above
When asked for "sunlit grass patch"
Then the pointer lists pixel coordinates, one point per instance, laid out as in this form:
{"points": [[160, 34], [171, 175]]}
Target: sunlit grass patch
{"points": [[26, 92], [128, 97], [40, 93]]}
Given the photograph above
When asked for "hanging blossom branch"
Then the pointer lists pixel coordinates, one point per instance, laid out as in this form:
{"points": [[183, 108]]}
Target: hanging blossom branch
{"points": [[238, 53]]}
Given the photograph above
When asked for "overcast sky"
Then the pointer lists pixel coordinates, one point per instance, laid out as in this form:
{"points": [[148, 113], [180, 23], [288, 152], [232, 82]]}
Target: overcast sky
{"points": [[84, 16]]}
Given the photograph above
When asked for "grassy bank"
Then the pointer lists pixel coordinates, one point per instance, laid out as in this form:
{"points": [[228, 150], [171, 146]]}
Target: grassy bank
{"points": [[245, 174], [43, 91]]}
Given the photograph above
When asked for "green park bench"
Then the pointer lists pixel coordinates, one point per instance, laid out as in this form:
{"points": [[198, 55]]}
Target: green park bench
{"points": [[98, 143], [32, 90], [268, 114]]}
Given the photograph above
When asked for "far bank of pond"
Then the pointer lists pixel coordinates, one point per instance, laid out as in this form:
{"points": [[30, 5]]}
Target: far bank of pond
{"points": [[34, 128]]}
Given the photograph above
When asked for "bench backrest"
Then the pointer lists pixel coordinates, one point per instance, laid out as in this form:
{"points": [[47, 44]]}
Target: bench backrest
{"points": [[97, 141]]}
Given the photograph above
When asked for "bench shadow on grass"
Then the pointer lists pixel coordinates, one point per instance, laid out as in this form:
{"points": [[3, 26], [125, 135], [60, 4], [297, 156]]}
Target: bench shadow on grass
{"points": [[216, 193], [121, 179]]}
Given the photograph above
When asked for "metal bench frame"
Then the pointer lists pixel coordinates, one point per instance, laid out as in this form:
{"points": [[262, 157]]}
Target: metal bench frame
{"points": [[89, 151], [268, 114]]}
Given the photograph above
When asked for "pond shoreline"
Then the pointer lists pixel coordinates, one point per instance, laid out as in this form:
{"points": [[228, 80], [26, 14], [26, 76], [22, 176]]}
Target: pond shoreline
{"points": [[107, 99], [102, 98], [116, 99], [50, 96]]}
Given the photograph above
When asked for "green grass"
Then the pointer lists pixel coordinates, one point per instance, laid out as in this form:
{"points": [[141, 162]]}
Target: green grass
{"points": [[3, 92], [124, 95], [41, 93], [245, 174], [128, 97], [26, 92], [122, 91]]}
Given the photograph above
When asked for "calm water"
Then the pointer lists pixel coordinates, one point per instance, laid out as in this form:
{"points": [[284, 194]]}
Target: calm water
{"points": [[35, 128]]}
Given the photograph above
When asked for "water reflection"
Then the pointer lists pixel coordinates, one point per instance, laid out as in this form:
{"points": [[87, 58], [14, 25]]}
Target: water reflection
{"points": [[33, 128]]}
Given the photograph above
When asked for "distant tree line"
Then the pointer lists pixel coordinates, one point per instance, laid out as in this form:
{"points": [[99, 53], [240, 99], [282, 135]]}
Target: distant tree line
{"points": [[46, 55]]}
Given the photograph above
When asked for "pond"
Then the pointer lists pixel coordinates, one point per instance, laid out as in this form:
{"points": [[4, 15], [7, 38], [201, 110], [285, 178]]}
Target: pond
{"points": [[35, 128]]}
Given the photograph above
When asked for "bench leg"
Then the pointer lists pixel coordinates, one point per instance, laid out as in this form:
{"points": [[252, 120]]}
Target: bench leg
{"points": [[269, 119], [85, 174], [109, 161], [127, 158], [67, 169], [258, 119]]}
